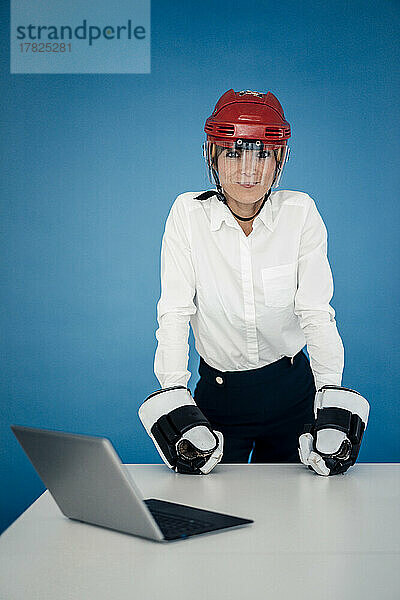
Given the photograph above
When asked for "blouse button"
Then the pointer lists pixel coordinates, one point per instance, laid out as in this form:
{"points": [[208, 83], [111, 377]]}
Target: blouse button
{"points": [[219, 380]]}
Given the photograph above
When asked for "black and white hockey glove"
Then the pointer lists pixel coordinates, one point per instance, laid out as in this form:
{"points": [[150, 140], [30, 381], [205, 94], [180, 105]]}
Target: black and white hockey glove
{"points": [[331, 444], [181, 433]]}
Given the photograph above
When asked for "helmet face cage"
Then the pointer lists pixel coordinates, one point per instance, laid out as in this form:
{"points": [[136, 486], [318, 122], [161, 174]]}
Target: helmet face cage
{"points": [[252, 164]]}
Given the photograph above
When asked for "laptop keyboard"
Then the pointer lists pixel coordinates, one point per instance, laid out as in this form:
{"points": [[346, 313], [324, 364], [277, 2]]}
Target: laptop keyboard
{"points": [[179, 520], [172, 525]]}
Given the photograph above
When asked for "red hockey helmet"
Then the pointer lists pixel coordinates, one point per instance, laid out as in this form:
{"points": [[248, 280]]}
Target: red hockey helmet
{"points": [[246, 139]]}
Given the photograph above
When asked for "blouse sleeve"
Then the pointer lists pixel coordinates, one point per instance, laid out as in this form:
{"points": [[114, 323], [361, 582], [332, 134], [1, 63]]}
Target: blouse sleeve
{"points": [[176, 303], [312, 302]]}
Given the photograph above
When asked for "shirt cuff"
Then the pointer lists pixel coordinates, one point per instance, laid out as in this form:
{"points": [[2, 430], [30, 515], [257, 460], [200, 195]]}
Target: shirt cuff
{"points": [[327, 379], [172, 379]]}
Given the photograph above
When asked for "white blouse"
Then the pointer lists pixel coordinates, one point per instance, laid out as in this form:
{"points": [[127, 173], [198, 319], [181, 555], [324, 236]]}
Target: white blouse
{"points": [[249, 300]]}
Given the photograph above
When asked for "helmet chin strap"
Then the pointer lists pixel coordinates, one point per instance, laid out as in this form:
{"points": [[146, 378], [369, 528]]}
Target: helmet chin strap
{"points": [[221, 196], [259, 210]]}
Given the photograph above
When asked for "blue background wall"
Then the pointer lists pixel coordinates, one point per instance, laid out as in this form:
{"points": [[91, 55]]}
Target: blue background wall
{"points": [[92, 163]]}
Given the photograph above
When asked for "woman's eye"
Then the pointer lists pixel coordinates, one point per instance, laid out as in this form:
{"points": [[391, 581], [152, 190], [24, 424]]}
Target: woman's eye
{"points": [[235, 154]]}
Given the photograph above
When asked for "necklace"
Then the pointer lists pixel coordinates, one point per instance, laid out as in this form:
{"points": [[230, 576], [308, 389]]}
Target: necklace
{"points": [[250, 218]]}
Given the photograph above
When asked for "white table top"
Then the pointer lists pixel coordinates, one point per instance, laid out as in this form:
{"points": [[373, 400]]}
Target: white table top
{"points": [[313, 537]]}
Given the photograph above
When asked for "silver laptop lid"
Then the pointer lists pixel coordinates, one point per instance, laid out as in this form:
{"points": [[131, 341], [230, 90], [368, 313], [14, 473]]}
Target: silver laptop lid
{"points": [[85, 476]]}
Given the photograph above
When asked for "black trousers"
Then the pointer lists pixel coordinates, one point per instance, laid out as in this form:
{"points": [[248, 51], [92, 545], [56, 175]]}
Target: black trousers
{"points": [[259, 411]]}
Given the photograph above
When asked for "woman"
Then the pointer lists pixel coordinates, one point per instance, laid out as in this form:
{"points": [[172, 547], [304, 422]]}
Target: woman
{"points": [[248, 268]]}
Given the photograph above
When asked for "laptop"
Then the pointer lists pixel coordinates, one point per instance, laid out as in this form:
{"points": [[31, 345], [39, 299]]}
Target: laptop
{"points": [[88, 482]]}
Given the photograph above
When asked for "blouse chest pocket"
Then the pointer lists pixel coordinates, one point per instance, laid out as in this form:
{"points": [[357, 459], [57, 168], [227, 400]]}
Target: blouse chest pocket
{"points": [[279, 285]]}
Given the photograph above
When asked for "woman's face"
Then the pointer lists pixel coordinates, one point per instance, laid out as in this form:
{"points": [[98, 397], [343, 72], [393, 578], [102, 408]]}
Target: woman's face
{"points": [[246, 175]]}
